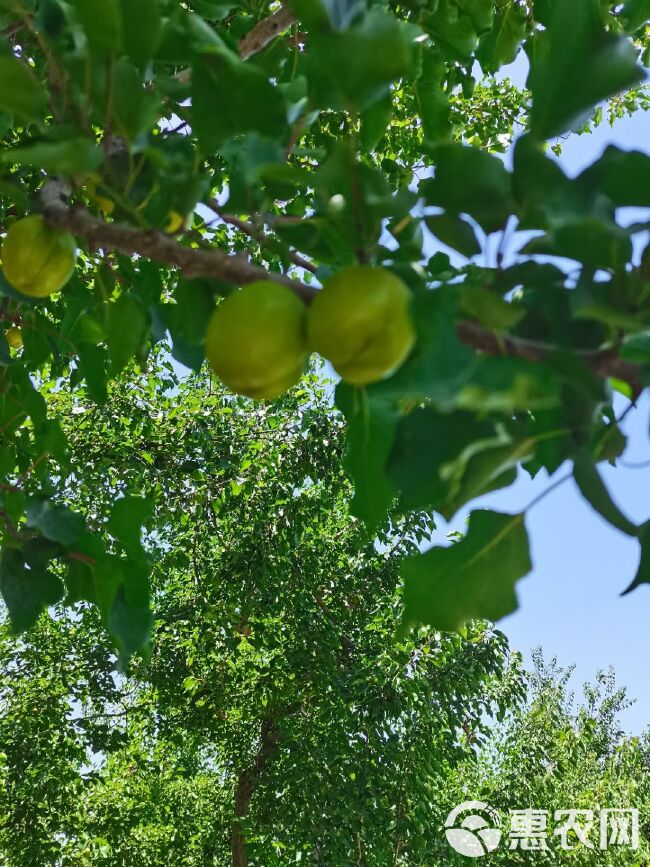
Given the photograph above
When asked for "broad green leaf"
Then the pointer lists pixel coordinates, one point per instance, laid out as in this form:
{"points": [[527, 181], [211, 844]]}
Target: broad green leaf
{"points": [[21, 92], [487, 470], [57, 523], [476, 577], [501, 44], [74, 156], [636, 13], [481, 13], [489, 308], [127, 326], [623, 176], [259, 105], [593, 489], [596, 243], [92, 363], [371, 423], [352, 69], [130, 626], [636, 348], [643, 572], [128, 515], [432, 101], [374, 122], [452, 30], [141, 28], [596, 63], [26, 584], [440, 364], [426, 444], [102, 24], [469, 181], [455, 233], [134, 108], [545, 195]]}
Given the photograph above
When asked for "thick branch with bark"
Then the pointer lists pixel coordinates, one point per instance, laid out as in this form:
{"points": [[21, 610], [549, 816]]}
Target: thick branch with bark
{"points": [[155, 245], [265, 31], [244, 790]]}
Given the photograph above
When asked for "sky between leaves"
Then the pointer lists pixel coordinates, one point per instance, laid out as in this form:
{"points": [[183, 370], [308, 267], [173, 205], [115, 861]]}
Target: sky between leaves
{"points": [[578, 558]]}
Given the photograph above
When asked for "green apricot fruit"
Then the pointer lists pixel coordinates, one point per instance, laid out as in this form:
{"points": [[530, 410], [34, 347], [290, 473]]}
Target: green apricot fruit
{"points": [[37, 260], [256, 342], [360, 321]]}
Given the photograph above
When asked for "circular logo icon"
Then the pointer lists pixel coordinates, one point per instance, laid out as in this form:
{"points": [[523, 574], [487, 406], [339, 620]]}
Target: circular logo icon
{"points": [[478, 833]]}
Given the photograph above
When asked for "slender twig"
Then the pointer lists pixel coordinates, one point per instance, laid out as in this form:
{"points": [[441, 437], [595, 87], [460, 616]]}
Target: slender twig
{"points": [[251, 230]]}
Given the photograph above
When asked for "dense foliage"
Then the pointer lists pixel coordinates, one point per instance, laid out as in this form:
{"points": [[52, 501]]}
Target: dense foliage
{"points": [[191, 148], [277, 719]]}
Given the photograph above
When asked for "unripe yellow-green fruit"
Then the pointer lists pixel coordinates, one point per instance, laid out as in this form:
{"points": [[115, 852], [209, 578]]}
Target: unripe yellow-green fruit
{"points": [[360, 321], [256, 341], [37, 260], [14, 337]]}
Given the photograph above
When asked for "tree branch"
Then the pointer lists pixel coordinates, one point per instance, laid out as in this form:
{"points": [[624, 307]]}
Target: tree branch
{"points": [[250, 229], [265, 31], [159, 247], [235, 269]]}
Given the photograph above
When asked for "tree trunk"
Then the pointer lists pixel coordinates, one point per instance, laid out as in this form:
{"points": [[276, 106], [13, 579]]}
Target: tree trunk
{"points": [[244, 792]]}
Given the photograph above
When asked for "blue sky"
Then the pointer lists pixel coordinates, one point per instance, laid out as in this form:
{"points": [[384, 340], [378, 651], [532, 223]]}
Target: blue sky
{"points": [[570, 603]]}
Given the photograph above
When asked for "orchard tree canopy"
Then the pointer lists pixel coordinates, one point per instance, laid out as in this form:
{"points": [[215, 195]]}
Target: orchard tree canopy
{"points": [[316, 149]]}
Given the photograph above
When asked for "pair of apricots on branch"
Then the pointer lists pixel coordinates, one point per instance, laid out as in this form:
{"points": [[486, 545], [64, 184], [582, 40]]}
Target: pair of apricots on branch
{"points": [[260, 337]]}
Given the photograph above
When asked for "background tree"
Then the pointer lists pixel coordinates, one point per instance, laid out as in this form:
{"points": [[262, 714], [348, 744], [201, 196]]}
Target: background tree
{"points": [[277, 718], [193, 148], [551, 755]]}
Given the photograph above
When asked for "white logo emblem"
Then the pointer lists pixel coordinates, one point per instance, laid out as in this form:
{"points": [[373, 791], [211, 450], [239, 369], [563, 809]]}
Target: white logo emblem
{"points": [[475, 835]]}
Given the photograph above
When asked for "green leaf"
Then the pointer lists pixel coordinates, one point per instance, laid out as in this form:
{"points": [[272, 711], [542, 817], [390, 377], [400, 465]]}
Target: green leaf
{"points": [[455, 233], [546, 196], [427, 442], [134, 109], [578, 50], [141, 28], [128, 515], [623, 176], [102, 24], [130, 626], [127, 327], [593, 489], [440, 364], [445, 587], [432, 101], [636, 13], [489, 308], [636, 348], [57, 523], [21, 92], [374, 122], [643, 572], [470, 181], [371, 423], [593, 241], [92, 362], [26, 584], [481, 13], [353, 69], [501, 45], [259, 105], [487, 470], [452, 30], [74, 156]]}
